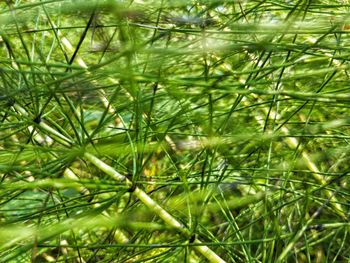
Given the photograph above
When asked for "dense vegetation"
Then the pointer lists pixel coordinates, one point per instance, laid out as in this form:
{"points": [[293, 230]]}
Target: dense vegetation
{"points": [[174, 131]]}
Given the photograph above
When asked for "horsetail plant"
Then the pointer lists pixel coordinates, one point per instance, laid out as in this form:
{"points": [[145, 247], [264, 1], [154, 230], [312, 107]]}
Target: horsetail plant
{"points": [[174, 131]]}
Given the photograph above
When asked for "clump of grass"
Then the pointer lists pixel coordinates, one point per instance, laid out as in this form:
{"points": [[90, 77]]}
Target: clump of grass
{"points": [[150, 131]]}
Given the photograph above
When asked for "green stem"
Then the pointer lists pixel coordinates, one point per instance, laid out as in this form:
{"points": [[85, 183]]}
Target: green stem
{"points": [[153, 206]]}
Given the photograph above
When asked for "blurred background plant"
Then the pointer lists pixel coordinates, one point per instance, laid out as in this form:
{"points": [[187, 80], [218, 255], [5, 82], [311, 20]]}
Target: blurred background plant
{"points": [[174, 131]]}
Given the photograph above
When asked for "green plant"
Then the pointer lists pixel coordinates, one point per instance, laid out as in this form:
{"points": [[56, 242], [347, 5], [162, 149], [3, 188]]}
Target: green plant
{"points": [[174, 131]]}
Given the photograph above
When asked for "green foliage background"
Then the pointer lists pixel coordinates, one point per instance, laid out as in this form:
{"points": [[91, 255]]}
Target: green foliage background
{"points": [[232, 116]]}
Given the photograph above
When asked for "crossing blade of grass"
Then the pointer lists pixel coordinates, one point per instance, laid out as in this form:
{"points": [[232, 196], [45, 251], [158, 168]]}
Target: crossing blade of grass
{"points": [[153, 206]]}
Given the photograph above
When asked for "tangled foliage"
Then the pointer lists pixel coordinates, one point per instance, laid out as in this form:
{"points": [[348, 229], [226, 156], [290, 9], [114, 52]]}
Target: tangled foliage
{"points": [[174, 131]]}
